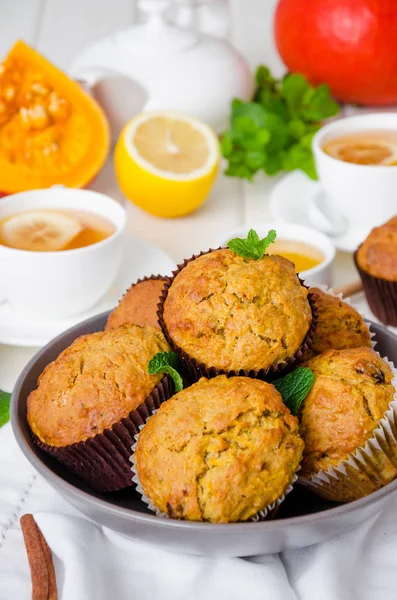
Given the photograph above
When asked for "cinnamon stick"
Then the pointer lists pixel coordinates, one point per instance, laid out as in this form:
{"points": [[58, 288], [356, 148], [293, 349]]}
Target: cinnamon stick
{"points": [[42, 571], [350, 289]]}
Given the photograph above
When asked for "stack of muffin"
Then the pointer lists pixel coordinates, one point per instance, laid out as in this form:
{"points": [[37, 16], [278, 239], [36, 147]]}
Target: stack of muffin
{"points": [[226, 448]]}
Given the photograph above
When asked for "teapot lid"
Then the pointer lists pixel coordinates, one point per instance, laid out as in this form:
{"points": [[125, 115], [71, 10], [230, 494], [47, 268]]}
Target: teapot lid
{"points": [[156, 35]]}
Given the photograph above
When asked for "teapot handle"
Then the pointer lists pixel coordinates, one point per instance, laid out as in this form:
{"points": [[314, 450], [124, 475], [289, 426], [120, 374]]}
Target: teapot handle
{"points": [[89, 76]]}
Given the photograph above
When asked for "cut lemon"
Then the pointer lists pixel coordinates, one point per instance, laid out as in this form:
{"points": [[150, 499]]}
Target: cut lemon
{"points": [[166, 162], [39, 231], [379, 150]]}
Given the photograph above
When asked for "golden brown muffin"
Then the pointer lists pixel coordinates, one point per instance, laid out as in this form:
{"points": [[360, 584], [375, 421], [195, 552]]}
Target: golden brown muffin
{"points": [[377, 255], [220, 450], [351, 393], [339, 326], [138, 306], [93, 384], [232, 313]]}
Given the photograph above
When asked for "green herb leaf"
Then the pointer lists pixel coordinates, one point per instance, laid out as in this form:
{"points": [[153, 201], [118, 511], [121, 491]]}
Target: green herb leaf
{"points": [[251, 246], [274, 131], [294, 387], [5, 398], [166, 362]]}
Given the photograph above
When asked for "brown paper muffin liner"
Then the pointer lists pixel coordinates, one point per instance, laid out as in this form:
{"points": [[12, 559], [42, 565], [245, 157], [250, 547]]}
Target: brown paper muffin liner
{"points": [[141, 280], [381, 295], [269, 512], [369, 468], [103, 461], [194, 370]]}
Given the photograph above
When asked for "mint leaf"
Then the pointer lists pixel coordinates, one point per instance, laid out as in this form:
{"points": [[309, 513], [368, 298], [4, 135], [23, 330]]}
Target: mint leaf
{"points": [[166, 362], [274, 131], [293, 88], [265, 243], [294, 387], [318, 105], [5, 398], [251, 246], [300, 157], [255, 112]]}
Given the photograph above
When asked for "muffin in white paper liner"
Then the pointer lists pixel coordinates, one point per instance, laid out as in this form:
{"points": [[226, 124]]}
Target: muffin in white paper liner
{"points": [[369, 468], [267, 513]]}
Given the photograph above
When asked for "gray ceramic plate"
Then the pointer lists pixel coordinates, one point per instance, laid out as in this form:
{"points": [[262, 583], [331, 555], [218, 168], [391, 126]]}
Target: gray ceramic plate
{"points": [[303, 519]]}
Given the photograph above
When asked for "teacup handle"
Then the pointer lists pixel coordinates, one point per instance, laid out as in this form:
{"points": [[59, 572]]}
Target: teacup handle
{"points": [[324, 216]]}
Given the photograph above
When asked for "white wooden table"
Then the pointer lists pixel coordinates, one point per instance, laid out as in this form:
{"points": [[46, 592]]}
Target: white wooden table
{"points": [[62, 28]]}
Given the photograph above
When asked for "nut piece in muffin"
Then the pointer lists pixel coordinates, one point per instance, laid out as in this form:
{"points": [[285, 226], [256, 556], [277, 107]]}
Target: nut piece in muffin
{"points": [[351, 393], [220, 451], [234, 314], [376, 262], [377, 255], [138, 306], [93, 384], [339, 326]]}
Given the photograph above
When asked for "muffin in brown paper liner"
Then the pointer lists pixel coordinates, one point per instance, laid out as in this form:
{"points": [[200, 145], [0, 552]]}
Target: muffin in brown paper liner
{"points": [[119, 317], [193, 369], [103, 461], [268, 513], [381, 295], [366, 470]]}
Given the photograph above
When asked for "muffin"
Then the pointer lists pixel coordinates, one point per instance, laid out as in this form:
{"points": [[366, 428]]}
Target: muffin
{"points": [[376, 262], [227, 314], [138, 306], [222, 450], [81, 411], [339, 326], [349, 450]]}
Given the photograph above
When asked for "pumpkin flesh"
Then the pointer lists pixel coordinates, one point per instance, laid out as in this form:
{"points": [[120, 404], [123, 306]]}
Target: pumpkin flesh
{"points": [[51, 131]]}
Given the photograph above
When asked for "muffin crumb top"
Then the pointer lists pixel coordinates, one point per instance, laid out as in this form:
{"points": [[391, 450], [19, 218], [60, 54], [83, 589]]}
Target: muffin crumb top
{"points": [[339, 326], [93, 384], [233, 313], [138, 306], [351, 393], [377, 255], [220, 450]]}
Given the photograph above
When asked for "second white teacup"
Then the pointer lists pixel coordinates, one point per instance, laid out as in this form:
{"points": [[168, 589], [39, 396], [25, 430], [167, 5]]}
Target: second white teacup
{"points": [[365, 195], [60, 284]]}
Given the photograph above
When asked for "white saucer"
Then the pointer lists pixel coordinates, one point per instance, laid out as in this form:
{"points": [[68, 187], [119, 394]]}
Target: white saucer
{"points": [[290, 201], [140, 259]]}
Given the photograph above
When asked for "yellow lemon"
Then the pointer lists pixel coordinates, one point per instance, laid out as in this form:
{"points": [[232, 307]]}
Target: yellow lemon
{"points": [[166, 162]]}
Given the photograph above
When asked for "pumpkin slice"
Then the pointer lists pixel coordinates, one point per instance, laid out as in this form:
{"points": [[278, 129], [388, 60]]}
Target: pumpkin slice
{"points": [[51, 131]]}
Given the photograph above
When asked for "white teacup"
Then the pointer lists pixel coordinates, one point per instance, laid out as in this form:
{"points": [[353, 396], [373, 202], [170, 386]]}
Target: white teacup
{"points": [[61, 284], [364, 195]]}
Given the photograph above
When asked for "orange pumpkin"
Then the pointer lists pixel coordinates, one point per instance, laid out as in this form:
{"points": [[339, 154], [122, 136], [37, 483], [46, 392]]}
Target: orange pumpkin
{"points": [[51, 131]]}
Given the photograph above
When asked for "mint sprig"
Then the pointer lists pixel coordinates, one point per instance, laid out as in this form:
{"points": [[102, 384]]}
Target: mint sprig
{"points": [[274, 131], [294, 387], [5, 398], [252, 246], [166, 362]]}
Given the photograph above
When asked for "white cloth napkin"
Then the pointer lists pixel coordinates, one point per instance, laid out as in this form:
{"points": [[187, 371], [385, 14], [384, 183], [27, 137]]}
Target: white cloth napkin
{"points": [[95, 563]]}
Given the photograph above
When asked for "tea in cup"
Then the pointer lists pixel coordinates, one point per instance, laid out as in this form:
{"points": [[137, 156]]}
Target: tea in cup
{"points": [[60, 250], [356, 160]]}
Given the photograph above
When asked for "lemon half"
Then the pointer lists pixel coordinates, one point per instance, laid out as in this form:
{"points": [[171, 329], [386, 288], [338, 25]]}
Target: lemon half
{"points": [[166, 162]]}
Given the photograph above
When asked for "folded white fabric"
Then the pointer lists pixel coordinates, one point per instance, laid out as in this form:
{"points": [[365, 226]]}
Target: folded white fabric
{"points": [[95, 563]]}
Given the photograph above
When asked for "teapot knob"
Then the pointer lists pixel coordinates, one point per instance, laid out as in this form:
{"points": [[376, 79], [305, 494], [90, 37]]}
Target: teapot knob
{"points": [[155, 10], [154, 5]]}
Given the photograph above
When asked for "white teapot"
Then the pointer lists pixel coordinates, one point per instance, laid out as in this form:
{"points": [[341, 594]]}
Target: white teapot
{"points": [[154, 66]]}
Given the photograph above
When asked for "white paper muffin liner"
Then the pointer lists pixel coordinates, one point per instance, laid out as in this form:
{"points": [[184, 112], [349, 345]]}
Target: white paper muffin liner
{"points": [[267, 513], [369, 468]]}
